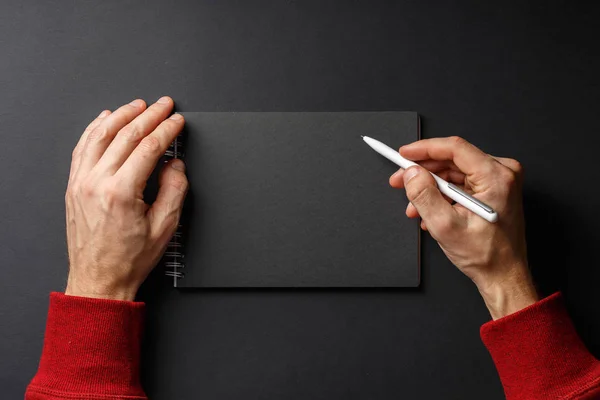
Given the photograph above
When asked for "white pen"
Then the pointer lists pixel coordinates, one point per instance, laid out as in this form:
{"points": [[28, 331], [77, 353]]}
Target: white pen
{"points": [[452, 191]]}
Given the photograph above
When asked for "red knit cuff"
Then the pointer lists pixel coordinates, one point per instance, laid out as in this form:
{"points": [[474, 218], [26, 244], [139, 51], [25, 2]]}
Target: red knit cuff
{"points": [[91, 349], [537, 351]]}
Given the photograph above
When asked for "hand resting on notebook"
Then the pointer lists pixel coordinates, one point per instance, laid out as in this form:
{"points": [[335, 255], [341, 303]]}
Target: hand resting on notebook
{"points": [[494, 256], [115, 238]]}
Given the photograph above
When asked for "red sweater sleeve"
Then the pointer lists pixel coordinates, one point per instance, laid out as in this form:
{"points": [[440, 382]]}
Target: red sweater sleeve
{"points": [[539, 355], [91, 350]]}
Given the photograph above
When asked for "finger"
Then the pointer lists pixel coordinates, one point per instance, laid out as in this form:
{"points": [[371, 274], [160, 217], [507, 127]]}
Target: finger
{"points": [[456, 177], [101, 136], [76, 156], [513, 165], [468, 158], [424, 226], [448, 199], [411, 211], [88, 129], [397, 180], [509, 163], [165, 212], [130, 136], [137, 168], [437, 165], [424, 195]]}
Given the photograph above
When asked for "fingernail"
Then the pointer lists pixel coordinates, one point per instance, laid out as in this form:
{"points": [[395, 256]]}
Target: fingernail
{"points": [[401, 149], [103, 114], [178, 165], [137, 103], [164, 100], [176, 117], [411, 173]]}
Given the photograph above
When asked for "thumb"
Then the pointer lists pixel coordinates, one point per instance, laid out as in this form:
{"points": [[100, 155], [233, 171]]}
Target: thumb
{"points": [[422, 191], [166, 210]]}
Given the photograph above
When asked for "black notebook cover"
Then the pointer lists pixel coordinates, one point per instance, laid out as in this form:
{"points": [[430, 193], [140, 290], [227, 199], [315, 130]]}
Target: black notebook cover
{"points": [[296, 199]]}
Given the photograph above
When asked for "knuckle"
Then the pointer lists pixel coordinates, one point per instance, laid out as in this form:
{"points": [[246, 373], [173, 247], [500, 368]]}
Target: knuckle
{"points": [[420, 193], [508, 181], [131, 133], [112, 193], [180, 183], [517, 167], [488, 167], [87, 189], [509, 177], [458, 141], [170, 125], [98, 134], [150, 145]]}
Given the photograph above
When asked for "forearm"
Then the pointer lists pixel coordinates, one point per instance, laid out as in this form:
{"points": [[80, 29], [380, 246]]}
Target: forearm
{"points": [[91, 350], [539, 355]]}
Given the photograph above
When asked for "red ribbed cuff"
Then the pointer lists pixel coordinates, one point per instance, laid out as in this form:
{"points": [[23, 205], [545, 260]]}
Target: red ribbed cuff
{"points": [[91, 349], [538, 353]]}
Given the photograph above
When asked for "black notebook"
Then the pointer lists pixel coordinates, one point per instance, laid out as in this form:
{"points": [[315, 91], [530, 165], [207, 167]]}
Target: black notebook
{"points": [[293, 199]]}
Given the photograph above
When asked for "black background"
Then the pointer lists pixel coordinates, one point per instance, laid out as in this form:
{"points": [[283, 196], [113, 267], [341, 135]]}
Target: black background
{"points": [[518, 78]]}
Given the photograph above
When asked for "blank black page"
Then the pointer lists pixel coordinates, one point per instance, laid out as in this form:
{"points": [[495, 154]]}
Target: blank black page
{"points": [[296, 200]]}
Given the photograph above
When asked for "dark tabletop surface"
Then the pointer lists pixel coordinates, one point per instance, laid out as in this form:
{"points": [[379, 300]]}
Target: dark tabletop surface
{"points": [[518, 78]]}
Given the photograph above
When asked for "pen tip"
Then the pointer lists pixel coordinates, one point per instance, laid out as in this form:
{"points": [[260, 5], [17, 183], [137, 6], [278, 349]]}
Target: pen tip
{"points": [[362, 136]]}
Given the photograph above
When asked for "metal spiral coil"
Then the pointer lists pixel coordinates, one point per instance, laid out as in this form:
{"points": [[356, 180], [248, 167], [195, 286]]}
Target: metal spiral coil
{"points": [[173, 257]]}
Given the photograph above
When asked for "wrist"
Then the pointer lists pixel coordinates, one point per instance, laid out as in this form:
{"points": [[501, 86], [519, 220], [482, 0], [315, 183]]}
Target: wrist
{"points": [[99, 291], [506, 295]]}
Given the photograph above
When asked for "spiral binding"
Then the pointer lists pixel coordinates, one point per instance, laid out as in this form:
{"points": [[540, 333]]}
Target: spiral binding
{"points": [[173, 257]]}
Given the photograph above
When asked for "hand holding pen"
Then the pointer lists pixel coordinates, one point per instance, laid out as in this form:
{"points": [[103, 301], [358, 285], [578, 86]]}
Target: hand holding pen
{"points": [[493, 255]]}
